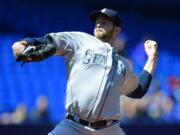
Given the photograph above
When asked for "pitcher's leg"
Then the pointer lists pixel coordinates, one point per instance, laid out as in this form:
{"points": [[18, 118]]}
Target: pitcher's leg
{"points": [[65, 128], [112, 130]]}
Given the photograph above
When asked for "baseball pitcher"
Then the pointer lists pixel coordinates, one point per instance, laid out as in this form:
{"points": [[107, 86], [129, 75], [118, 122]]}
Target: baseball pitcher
{"points": [[97, 75]]}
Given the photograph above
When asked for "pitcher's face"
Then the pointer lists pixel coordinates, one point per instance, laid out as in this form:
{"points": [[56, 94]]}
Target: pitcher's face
{"points": [[104, 28]]}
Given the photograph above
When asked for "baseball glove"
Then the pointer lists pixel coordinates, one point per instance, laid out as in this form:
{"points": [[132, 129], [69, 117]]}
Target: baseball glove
{"points": [[37, 53]]}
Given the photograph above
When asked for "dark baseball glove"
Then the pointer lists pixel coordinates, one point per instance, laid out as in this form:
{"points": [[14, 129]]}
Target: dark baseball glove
{"points": [[36, 53]]}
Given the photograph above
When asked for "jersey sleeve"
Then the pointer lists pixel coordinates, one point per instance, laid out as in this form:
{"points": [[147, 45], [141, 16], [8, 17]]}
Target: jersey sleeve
{"points": [[131, 82], [66, 43]]}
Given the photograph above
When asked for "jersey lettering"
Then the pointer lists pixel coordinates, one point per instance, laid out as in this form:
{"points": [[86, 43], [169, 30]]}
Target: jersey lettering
{"points": [[94, 58]]}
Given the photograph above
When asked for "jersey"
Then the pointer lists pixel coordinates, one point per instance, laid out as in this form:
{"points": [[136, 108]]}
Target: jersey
{"points": [[96, 75]]}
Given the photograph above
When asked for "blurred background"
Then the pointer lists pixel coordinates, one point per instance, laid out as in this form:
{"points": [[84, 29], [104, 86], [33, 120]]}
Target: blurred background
{"points": [[32, 98]]}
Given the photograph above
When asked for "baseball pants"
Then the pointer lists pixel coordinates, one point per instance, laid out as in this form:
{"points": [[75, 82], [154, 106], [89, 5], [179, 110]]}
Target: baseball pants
{"points": [[68, 127]]}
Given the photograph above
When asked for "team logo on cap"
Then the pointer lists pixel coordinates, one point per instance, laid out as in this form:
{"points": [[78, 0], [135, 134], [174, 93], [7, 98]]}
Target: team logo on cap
{"points": [[103, 10]]}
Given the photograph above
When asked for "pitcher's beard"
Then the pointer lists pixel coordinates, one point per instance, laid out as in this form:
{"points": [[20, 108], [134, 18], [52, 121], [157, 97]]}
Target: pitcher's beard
{"points": [[102, 35]]}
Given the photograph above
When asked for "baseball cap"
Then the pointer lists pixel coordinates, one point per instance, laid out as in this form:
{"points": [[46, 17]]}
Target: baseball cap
{"points": [[109, 13]]}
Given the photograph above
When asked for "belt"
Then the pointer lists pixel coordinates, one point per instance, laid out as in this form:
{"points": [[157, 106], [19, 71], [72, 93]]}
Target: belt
{"points": [[96, 125]]}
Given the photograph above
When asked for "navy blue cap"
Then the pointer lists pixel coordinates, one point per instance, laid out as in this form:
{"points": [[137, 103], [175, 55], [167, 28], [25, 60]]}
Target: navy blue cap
{"points": [[109, 13]]}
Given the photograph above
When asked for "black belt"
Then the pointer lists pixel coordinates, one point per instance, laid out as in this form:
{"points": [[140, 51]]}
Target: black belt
{"points": [[96, 125]]}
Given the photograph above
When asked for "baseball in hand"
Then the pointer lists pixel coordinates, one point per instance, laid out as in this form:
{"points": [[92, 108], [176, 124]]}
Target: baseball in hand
{"points": [[151, 49]]}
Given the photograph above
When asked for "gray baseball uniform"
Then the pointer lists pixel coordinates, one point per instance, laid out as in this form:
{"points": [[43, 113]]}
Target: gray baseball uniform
{"points": [[97, 76]]}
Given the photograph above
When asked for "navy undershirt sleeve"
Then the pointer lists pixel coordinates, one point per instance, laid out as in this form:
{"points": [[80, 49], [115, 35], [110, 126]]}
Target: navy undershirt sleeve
{"points": [[144, 83], [35, 41]]}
